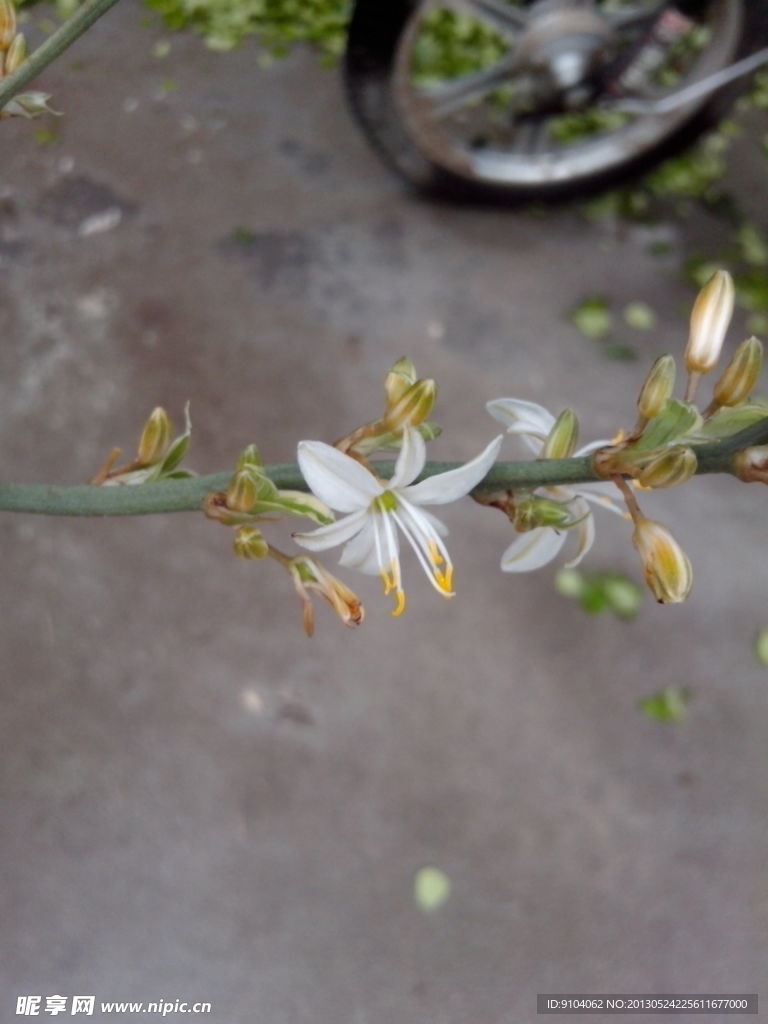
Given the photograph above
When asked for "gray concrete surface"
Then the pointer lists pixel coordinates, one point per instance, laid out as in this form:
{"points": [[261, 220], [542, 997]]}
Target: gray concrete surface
{"points": [[198, 802]]}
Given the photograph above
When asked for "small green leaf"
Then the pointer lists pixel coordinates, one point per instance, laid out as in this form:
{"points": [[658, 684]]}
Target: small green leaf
{"points": [[640, 316], [570, 583], [623, 596], [730, 421], [593, 318], [668, 705], [761, 647], [619, 351], [175, 456], [753, 245], [243, 236], [601, 592], [297, 503], [431, 888], [677, 420]]}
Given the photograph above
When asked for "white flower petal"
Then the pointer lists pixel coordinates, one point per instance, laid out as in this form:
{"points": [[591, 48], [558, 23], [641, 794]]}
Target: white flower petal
{"points": [[335, 533], [361, 552], [529, 420], [602, 496], [410, 460], [591, 447], [455, 483], [336, 478], [585, 530], [532, 550], [437, 524]]}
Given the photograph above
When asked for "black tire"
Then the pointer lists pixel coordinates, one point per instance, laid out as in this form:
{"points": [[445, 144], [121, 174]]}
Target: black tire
{"points": [[374, 61]]}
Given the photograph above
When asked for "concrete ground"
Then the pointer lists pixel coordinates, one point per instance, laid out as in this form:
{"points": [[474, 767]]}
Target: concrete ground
{"points": [[199, 802]]}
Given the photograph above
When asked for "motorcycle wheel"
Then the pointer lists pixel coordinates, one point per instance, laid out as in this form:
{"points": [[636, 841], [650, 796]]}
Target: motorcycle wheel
{"points": [[522, 101]]}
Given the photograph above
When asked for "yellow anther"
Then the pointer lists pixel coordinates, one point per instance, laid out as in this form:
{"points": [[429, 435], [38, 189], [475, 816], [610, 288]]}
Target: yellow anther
{"points": [[400, 606], [444, 580], [434, 554]]}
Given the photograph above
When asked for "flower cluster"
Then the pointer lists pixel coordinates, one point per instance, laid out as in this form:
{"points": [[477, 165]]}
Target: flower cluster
{"points": [[380, 503], [158, 457]]}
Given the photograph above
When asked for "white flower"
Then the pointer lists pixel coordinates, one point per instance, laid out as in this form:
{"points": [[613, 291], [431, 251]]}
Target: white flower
{"points": [[375, 509], [539, 546]]}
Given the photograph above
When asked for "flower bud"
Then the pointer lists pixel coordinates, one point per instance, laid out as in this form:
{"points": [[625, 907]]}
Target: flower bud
{"points": [[249, 543], [7, 23], [741, 375], [155, 438], [667, 568], [672, 467], [533, 512], [657, 389], [561, 442], [398, 380], [250, 456], [412, 408], [243, 491], [17, 54], [711, 314]]}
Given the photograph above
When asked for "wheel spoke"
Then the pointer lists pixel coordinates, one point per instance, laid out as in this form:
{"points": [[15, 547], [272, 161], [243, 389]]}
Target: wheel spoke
{"points": [[448, 97], [634, 17], [530, 138]]}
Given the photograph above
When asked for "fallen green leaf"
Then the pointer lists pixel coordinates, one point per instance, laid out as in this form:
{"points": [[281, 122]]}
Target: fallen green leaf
{"points": [[593, 318], [761, 647], [668, 705], [640, 316], [431, 888]]}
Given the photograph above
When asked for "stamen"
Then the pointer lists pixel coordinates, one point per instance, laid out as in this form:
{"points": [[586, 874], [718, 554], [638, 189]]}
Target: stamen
{"points": [[401, 603], [387, 578], [434, 554]]}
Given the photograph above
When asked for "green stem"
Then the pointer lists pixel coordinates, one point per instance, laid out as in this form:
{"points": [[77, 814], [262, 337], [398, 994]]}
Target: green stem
{"points": [[187, 495], [53, 46]]}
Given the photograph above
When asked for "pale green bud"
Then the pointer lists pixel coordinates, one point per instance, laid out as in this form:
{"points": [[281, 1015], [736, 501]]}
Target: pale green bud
{"points": [[17, 54], [534, 512], [741, 375], [658, 387], [710, 317], [412, 408], [398, 380], [672, 467], [562, 439], [247, 487], [155, 438], [250, 457], [667, 568], [243, 491], [249, 543]]}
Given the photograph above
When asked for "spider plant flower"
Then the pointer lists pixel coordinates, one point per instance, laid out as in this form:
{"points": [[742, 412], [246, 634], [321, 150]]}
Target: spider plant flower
{"points": [[376, 510], [538, 546]]}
